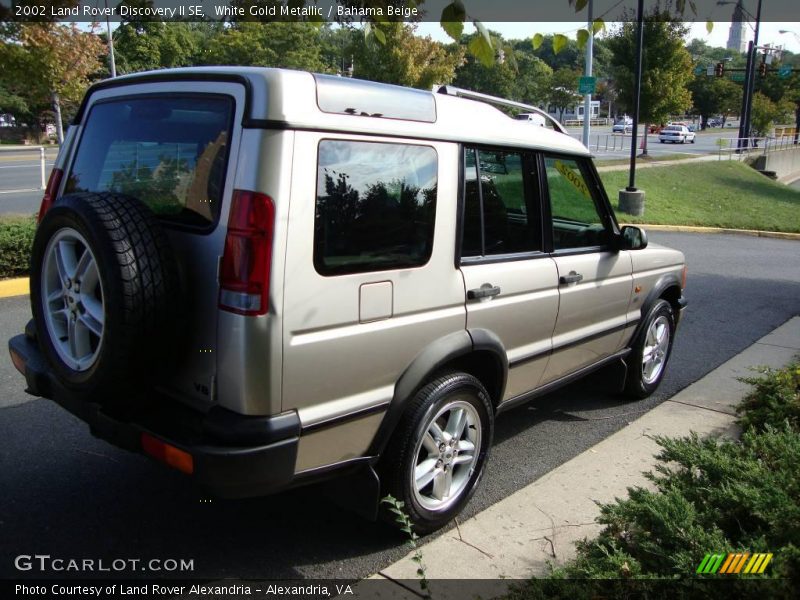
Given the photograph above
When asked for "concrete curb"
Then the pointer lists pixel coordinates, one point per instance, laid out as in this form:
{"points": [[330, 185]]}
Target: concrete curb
{"points": [[781, 235], [14, 287], [523, 534]]}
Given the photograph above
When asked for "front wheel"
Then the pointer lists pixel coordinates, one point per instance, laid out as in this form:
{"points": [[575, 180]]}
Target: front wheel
{"points": [[437, 454], [651, 351]]}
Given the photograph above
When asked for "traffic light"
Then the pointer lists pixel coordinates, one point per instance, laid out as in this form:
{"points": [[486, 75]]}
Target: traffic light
{"points": [[762, 69], [719, 70]]}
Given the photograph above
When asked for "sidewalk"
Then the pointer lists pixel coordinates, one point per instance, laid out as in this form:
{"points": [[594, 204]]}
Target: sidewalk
{"points": [[646, 164], [521, 535]]}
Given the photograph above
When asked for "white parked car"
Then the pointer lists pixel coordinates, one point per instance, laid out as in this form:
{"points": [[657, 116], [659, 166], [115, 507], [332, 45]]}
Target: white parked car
{"points": [[622, 127], [676, 133]]}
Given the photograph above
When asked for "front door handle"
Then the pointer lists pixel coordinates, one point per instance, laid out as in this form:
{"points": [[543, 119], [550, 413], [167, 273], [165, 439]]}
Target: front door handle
{"points": [[487, 290], [573, 277]]}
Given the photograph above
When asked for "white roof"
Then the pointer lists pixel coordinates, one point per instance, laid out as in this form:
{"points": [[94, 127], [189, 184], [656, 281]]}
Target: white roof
{"points": [[290, 97]]}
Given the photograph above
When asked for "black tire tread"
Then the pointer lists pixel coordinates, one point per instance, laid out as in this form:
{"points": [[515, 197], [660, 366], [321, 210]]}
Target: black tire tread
{"points": [[127, 237], [400, 444], [635, 388]]}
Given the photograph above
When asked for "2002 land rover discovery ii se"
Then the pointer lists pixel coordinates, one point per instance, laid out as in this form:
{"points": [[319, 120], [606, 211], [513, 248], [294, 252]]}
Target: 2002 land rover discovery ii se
{"points": [[264, 277]]}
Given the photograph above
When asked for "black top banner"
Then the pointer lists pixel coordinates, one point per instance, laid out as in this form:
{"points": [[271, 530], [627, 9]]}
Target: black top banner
{"points": [[487, 11]]}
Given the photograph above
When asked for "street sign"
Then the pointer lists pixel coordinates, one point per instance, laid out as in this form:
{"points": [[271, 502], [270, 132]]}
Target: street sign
{"points": [[785, 71], [710, 70], [698, 70], [586, 85], [737, 76]]}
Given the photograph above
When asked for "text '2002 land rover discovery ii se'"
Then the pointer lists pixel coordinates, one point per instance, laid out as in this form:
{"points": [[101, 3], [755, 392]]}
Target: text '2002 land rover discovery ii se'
{"points": [[264, 277]]}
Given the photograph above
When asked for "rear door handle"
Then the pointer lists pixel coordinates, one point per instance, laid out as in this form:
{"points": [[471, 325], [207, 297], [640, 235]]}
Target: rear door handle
{"points": [[487, 290], [573, 277]]}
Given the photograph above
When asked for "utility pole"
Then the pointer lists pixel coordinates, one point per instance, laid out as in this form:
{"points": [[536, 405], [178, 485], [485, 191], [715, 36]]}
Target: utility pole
{"points": [[631, 200], [637, 88], [587, 102], [111, 61], [745, 99], [750, 78]]}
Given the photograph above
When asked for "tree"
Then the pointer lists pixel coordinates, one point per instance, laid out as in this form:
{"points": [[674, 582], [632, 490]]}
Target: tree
{"points": [[148, 45], [666, 68], [563, 90], [48, 64], [765, 113], [275, 44], [713, 96], [520, 75], [405, 58]]}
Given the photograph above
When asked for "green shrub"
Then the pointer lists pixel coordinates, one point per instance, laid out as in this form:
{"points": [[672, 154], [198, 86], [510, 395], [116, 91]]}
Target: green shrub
{"points": [[774, 400], [708, 496], [16, 237]]}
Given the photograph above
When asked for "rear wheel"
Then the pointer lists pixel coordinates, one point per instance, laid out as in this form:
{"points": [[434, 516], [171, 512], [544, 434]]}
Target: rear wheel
{"points": [[104, 295], [437, 454]]}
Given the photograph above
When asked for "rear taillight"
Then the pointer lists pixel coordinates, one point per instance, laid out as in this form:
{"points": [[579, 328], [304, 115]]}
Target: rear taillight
{"points": [[50, 192], [247, 259]]}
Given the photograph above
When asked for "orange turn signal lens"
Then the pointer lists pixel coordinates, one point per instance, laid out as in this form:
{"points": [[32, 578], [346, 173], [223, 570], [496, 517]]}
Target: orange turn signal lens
{"points": [[168, 454], [19, 362]]}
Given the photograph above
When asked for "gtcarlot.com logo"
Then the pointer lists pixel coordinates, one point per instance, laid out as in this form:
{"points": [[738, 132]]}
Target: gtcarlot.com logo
{"points": [[735, 563], [44, 563]]}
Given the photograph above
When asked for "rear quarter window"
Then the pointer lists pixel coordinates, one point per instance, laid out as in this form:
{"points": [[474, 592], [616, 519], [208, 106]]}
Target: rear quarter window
{"points": [[170, 152], [375, 206]]}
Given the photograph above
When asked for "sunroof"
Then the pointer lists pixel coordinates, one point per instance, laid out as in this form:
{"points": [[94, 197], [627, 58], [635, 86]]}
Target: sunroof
{"points": [[343, 96]]}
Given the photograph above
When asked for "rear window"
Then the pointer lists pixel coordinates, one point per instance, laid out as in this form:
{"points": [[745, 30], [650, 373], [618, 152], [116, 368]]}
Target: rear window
{"points": [[169, 152]]}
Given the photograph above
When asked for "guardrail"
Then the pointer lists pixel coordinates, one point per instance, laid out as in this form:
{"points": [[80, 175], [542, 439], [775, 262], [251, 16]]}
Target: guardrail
{"points": [[754, 146], [606, 142], [40, 150]]}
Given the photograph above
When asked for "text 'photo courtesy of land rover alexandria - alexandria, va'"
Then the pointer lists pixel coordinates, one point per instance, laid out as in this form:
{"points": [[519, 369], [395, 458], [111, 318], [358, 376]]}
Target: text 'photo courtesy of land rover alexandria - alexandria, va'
{"points": [[265, 277]]}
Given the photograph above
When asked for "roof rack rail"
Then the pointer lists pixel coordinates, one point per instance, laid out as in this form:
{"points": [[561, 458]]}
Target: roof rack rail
{"points": [[455, 91]]}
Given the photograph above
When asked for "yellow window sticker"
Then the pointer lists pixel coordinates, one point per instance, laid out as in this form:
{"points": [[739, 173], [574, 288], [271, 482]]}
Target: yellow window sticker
{"points": [[574, 178]]}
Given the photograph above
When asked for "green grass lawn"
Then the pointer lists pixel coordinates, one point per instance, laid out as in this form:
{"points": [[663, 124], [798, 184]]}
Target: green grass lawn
{"points": [[711, 194]]}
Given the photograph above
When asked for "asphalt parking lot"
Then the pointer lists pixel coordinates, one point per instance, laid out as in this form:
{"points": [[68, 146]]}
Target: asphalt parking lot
{"points": [[67, 494]]}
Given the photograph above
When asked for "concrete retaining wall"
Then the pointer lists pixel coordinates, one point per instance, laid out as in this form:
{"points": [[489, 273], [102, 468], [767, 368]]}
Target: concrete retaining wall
{"points": [[785, 163]]}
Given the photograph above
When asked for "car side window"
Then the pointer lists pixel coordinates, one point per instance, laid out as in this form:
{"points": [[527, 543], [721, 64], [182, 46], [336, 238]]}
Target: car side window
{"points": [[577, 222], [375, 206], [497, 215]]}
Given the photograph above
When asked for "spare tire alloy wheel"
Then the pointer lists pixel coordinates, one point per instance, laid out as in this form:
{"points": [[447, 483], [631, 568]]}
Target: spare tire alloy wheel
{"points": [[72, 295], [437, 453]]}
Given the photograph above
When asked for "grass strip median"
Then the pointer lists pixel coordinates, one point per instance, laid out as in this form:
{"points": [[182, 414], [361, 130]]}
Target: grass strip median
{"points": [[710, 194]]}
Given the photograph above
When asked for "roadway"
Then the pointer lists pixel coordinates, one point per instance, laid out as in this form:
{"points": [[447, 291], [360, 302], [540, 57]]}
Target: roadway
{"points": [[21, 170], [69, 495]]}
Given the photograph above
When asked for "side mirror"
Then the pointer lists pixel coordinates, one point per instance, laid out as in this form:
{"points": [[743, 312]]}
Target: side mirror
{"points": [[632, 238]]}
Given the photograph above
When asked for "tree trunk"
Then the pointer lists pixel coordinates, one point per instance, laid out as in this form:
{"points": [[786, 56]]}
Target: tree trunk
{"points": [[59, 124], [644, 139]]}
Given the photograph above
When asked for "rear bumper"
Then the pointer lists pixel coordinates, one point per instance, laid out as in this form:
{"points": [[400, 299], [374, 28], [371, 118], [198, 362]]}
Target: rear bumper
{"points": [[232, 455]]}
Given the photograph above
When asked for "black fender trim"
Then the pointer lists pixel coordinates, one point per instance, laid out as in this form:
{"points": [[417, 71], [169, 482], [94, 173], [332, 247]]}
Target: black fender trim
{"points": [[426, 364], [664, 283]]}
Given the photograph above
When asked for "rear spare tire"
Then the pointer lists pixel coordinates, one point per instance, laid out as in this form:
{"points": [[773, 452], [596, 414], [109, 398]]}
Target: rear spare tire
{"points": [[104, 294]]}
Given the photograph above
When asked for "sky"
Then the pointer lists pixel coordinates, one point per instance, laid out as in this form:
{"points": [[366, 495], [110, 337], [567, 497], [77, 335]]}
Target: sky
{"points": [[768, 34]]}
